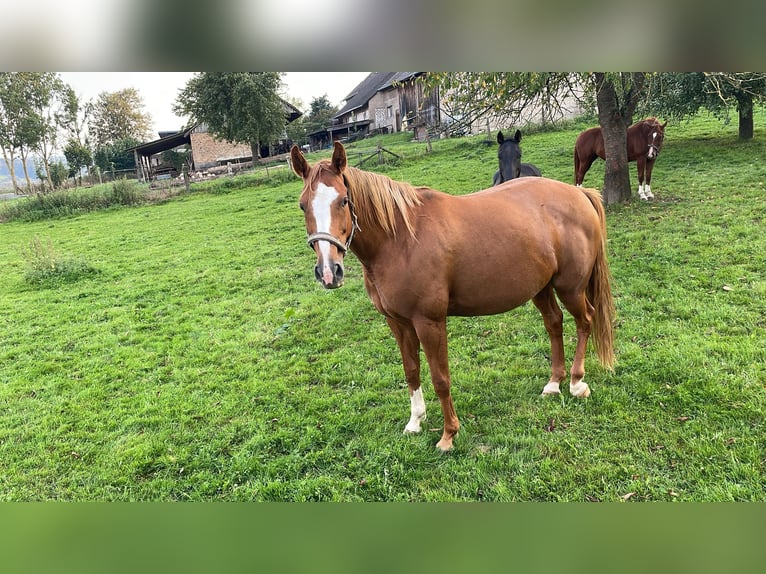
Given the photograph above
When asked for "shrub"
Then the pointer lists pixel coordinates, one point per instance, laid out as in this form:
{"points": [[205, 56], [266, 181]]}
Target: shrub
{"points": [[63, 203], [45, 266], [124, 192]]}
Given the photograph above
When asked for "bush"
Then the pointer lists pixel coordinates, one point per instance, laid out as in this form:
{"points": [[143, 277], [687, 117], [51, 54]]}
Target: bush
{"points": [[45, 266], [63, 203], [125, 192]]}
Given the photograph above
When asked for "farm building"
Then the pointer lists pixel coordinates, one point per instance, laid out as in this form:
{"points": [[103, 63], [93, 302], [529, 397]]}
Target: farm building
{"points": [[200, 150], [383, 102]]}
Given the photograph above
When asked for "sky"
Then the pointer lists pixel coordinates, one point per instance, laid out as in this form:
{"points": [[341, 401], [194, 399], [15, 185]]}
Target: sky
{"points": [[159, 89]]}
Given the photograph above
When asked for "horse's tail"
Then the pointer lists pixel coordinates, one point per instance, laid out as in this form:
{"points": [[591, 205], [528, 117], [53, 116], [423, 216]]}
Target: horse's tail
{"points": [[576, 163], [599, 292]]}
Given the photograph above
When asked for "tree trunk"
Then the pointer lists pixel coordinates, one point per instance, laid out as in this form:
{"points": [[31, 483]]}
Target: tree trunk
{"points": [[9, 161], [26, 171], [615, 132], [745, 109]]}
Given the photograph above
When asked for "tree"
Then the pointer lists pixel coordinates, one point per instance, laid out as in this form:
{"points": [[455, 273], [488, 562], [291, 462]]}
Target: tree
{"points": [[617, 95], [506, 97], [48, 98], [470, 96], [118, 116], [112, 156], [241, 107], [30, 118], [14, 109], [320, 114], [78, 156], [680, 95]]}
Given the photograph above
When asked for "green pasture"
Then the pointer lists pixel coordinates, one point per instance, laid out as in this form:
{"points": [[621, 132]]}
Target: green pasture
{"points": [[182, 350]]}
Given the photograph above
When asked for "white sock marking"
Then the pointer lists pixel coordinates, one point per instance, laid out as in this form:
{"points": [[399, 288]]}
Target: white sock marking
{"points": [[579, 389], [552, 388], [417, 411]]}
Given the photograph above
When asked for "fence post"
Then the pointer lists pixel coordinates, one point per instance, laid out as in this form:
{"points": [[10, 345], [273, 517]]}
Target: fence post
{"points": [[185, 172]]}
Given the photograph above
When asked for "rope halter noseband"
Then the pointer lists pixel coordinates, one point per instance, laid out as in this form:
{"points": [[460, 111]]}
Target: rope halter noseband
{"points": [[329, 237]]}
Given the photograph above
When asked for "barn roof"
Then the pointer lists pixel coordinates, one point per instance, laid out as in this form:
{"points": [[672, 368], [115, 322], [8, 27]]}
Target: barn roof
{"points": [[165, 143], [175, 139], [362, 94]]}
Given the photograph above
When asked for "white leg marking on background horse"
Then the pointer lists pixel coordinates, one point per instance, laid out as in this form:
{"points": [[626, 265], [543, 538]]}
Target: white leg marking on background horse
{"points": [[648, 192], [417, 412], [579, 389], [552, 388]]}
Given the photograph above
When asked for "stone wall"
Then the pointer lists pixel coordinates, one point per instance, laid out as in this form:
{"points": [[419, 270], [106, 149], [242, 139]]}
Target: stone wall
{"points": [[208, 151]]}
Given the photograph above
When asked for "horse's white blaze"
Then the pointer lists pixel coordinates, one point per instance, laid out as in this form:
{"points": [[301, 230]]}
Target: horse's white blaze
{"points": [[417, 411], [321, 206], [651, 147]]}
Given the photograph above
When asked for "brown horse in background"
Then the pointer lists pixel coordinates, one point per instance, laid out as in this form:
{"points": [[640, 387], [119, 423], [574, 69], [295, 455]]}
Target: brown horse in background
{"points": [[427, 255], [644, 144]]}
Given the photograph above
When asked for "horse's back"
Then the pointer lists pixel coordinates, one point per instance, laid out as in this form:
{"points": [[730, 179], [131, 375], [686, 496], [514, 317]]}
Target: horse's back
{"points": [[501, 246], [529, 210], [590, 143], [530, 170]]}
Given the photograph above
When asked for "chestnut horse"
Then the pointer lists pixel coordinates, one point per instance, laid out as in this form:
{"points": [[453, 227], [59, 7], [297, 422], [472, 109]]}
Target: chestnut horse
{"points": [[509, 160], [644, 145], [426, 255]]}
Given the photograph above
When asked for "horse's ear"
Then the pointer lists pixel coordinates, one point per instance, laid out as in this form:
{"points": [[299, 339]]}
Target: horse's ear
{"points": [[338, 157], [517, 136], [299, 163], [663, 125], [500, 138]]}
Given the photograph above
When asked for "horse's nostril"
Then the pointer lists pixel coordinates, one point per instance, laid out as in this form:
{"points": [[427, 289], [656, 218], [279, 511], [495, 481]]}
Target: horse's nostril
{"points": [[339, 272], [317, 273]]}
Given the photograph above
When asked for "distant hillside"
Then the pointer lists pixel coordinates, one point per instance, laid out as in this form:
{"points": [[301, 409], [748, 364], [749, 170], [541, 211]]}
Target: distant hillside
{"points": [[5, 174]]}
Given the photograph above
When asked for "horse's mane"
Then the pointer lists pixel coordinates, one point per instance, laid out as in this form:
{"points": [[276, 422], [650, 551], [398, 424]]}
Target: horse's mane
{"points": [[378, 199], [651, 121]]}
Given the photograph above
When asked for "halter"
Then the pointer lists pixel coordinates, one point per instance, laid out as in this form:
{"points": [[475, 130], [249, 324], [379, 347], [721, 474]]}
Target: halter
{"points": [[329, 237], [655, 147]]}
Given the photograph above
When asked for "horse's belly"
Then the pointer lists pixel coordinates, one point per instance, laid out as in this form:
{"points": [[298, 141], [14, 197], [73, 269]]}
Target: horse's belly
{"points": [[496, 295]]}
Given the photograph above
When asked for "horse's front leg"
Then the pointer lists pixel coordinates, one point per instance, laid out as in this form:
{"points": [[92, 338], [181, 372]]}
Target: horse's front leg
{"points": [[647, 186], [409, 347], [640, 166], [433, 337]]}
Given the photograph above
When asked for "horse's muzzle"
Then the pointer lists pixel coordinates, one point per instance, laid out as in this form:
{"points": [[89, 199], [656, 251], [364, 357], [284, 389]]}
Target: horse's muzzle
{"points": [[329, 275]]}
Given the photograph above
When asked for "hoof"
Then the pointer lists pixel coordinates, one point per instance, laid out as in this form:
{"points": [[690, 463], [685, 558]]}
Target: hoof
{"points": [[413, 427], [580, 390], [444, 445], [552, 388]]}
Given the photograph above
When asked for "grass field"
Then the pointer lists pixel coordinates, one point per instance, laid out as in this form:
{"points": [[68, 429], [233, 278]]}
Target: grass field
{"points": [[184, 351]]}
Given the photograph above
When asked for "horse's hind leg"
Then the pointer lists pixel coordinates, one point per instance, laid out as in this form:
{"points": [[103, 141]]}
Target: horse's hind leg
{"points": [[553, 318], [582, 166], [409, 347], [582, 311]]}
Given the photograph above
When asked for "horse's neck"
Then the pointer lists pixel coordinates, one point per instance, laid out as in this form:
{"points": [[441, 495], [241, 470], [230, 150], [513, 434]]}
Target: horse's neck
{"points": [[368, 244]]}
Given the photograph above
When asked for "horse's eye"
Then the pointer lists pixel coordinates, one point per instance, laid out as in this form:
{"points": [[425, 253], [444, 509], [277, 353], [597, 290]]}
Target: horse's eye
{"points": [[344, 202], [303, 207]]}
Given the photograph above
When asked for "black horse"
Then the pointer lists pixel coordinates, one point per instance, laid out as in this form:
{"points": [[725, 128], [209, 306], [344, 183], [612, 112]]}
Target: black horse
{"points": [[509, 158]]}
